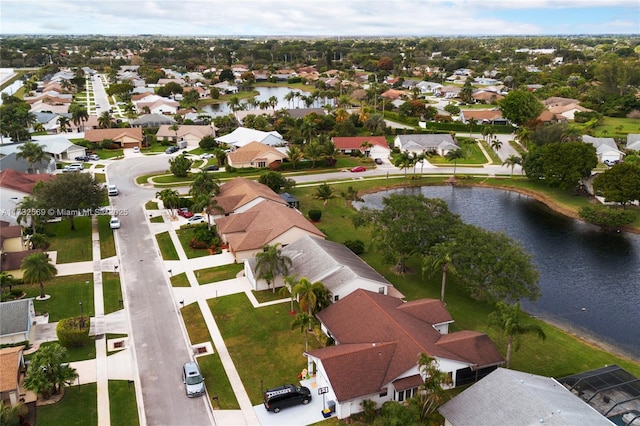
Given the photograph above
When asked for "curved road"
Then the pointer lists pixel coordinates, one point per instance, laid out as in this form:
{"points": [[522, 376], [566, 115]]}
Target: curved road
{"points": [[158, 339]]}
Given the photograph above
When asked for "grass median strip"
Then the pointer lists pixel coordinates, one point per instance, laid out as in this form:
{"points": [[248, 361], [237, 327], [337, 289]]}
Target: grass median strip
{"points": [[218, 273], [166, 246], [123, 407]]}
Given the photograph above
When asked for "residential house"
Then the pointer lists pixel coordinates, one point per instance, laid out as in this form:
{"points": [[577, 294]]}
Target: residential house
{"points": [[568, 111], [439, 143], [11, 238], [483, 116], [429, 87], [256, 154], [369, 146], [126, 137], [392, 94], [517, 398], [548, 117], [449, 92], [192, 134], [606, 148], [18, 316], [333, 264], [486, 97], [14, 186], [59, 147], [239, 195], [12, 368], [152, 120], [42, 106], [633, 141], [378, 342], [244, 135], [266, 223]]}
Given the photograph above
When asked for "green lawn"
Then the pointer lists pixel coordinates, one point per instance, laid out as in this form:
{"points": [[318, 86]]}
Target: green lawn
{"points": [[100, 177], [78, 407], [166, 246], [107, 242], [157, 219], [217, 383], [473, 156], [66, 292], [123, 407], [112, 292], [71, 245], [195, 325], [218, 273], [265, 351], [151, 205], [180, 280]]}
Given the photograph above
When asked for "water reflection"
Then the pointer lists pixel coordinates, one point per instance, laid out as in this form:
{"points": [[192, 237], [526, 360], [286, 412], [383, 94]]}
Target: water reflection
{"points": [[580, 265]]}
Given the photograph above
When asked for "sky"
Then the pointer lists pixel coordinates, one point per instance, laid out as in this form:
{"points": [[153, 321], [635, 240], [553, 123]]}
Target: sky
{"points": [[320, 17]]}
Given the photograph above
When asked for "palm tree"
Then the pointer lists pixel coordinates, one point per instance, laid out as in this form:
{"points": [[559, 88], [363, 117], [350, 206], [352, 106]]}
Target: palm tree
{"points": [[404, 161], [204, 184], [7, 280], [313, 151], [289, 97], [351, 195], [511, 161], [273, 102], [63, 122], [25, 207], [524, 135], [32, 153], [367, 148], [331, 153], [431, 394], [170, 198], [305, 322], [48, 373], [270, 262], [507, 319], [174, 128], [38, 270], [496, 144], [439, 259], [79, 115], [11, 416], [294, 153], [312, 297], [324, 192], [105, 120], [287, 289], [454, 155], [209, 204]]}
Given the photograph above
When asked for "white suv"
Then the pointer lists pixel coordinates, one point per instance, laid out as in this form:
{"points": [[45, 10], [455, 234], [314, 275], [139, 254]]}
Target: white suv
{"points": [[75, 167], [112, 190]]}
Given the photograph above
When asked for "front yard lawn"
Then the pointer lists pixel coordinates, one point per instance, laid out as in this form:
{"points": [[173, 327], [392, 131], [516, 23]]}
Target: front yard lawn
{"points": [[218, 273], [123, 407], [71, 245], [78, 407], [107, 242], [166, 246], [185, 235], [112, 292], [66, 293]]}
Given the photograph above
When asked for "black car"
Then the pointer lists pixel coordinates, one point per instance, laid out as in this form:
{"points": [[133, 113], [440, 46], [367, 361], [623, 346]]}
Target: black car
{"points": [[171, 149], [212, 168], [82, 158], [285, 396]]}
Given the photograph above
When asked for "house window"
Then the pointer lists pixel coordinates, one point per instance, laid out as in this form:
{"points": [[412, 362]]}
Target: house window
{"points": [[335, 298], [262, 164], [383, 393], [381, 290]]}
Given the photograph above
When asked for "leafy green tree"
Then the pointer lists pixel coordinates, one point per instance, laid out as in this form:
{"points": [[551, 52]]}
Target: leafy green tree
{"points": [[27, 217], [394, 413], [208, 143], [33, 154], [407, 225], [180, 165], [70, 193], [508, 319], [324, 192], [15, 118], [520, 106], [619, 184], [7, 281], [439, 259], [38, 269], [466, 92], [47, 373], [270, 263], [170, 198], [606, 217], [276, 181], [564, 164], [497, 268]]}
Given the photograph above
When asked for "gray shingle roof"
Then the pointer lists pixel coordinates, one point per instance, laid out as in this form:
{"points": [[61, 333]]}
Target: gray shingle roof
{"points": [[14, 317]]}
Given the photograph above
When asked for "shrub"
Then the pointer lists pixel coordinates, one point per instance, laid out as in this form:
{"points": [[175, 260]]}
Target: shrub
{"points": [[73, 332], [230, 169], [107, 144], [315, 215], [204, 236], [356, 246], [606, 217]]}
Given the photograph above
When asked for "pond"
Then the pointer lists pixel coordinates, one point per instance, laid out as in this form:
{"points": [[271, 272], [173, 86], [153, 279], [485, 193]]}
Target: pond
{"points": [[590, 279]]}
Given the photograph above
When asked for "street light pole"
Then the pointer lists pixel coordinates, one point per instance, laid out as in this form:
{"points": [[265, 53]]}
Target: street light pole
{"points": [[81, 314]]}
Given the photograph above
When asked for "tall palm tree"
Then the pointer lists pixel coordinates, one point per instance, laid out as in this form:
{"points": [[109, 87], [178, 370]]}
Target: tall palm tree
{"points": [[431, 394], [63, 122], [440, 259], [294, 153], [287, 289], [511, 161], [312, 297], [454, 155], [273, 102], [313, 151], [32, 153], [174, 128], [37, 269], [209, 204], [305, 322], [496, 144], [170, 198], [404, 161], [105, 121], [524, 135], [270, 262], [507, 319], [204, 184], [79, 115], [331, 153]]}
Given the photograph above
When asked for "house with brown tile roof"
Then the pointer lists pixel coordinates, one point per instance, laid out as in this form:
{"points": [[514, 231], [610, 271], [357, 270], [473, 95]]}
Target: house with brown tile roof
{"points": [[378, 342], [256, 154], [483, 116], [127, 137], [569, 110], [14, 186], [11, 262], [11, 368], [240, 194], [266, 223], [548, 117], [379, 148], [192, 134]]}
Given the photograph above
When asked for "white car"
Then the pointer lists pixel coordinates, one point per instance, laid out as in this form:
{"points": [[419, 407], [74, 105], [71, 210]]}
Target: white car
{"points": [[114, 223], [198, 218], [112, 190], [136, 149], [75, 167], [206, 156]]}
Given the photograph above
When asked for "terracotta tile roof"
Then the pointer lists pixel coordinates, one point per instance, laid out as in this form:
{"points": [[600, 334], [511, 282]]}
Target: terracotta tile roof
{"points": [[355, 142], [195, 130], [262, 224], [240, 191], [23, 182], [482, 114], [98, 135], [252, 152], [9, 367], [392, 94], [381, 318], [408, 382]]}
